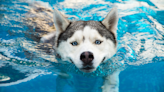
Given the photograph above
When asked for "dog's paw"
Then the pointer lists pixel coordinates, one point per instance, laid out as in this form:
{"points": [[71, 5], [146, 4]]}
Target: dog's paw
{"points": [[111, 82], [64, 75], [110, 88]]}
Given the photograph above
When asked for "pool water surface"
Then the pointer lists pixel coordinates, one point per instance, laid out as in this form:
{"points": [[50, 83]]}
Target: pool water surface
{"points": [[140, 55]]}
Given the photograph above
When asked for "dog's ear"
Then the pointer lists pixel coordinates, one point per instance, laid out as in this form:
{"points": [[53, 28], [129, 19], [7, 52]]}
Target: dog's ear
{"points": [[60, 21], [111, 20]]}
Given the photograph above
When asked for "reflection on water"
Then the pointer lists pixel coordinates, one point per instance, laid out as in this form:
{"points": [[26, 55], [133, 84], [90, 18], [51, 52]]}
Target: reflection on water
{"points": [[9, 74], [140, 41]]}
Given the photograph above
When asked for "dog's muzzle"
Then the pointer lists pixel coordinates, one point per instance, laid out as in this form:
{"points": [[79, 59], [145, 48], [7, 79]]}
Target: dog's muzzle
{"points": [[87, 58]]}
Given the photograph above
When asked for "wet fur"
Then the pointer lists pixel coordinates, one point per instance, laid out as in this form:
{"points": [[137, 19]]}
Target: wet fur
{"points": [[85, 33]]}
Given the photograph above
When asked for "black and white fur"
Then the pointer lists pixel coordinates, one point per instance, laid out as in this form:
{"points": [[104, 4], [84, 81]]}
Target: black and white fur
{"points": [[86, 44]]}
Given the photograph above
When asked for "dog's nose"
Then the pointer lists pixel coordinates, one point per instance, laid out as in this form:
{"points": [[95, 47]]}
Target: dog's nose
{"points": [[87, 57]]}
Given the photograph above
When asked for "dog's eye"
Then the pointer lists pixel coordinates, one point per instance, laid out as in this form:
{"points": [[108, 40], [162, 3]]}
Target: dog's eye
{"points": [[98, 42], [74, 43]]}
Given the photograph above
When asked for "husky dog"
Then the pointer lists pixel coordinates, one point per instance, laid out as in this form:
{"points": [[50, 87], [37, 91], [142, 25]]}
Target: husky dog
{"points": [[86, 44]]}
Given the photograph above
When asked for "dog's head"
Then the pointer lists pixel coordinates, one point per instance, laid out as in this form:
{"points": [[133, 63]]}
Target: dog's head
{"points": [[85, 43]]}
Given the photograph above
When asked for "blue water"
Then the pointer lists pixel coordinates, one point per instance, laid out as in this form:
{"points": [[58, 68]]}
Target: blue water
{"points": [[24, 68]]}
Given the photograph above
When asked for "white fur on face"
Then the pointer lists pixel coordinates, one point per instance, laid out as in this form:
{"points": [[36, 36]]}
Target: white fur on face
{"points": [[86, 42]]}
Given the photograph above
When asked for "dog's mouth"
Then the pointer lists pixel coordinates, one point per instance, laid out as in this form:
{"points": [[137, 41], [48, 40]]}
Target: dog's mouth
{"points": [[103, 60], [90, 68], [87, 69]]}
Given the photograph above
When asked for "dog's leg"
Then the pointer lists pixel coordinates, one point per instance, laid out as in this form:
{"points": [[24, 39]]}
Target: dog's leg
{"points": [[111, 83], [62, 80]]}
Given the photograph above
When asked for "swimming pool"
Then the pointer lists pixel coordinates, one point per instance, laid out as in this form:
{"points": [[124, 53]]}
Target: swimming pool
{"points": [[24, 68]]}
